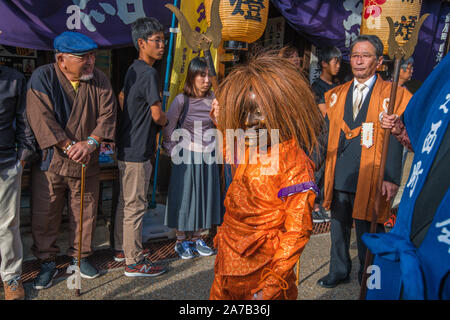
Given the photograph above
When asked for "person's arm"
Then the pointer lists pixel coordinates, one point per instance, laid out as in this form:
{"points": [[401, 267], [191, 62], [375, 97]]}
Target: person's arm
{"points": [[214, 112], [105, 125], [121, 98], [173, 115], [150, 92], [158, 115], [40, 115], [397, 127], [25, 140], [323, 108]]}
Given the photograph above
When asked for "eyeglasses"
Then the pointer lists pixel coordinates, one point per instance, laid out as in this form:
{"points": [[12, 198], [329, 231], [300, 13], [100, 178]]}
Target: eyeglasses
{"points": [[363, 56], [83, 57], [159, 41]]}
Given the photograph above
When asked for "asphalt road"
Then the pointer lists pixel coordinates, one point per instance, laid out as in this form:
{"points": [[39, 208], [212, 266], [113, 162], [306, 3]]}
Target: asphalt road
{"points": [[192, 279]]}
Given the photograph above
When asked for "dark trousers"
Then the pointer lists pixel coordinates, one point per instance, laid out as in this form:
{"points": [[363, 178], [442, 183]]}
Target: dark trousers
{"points": [[341, 226]]}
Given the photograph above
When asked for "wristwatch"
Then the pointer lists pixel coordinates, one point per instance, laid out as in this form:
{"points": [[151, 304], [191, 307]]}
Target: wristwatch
{"points": [[92, 143]]}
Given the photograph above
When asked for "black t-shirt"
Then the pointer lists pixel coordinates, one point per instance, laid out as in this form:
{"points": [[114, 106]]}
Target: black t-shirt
{"points": [[319, 88], [136, 134]]}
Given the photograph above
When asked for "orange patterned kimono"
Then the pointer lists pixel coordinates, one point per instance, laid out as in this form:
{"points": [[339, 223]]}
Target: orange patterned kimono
{"points": [[266, 226]]}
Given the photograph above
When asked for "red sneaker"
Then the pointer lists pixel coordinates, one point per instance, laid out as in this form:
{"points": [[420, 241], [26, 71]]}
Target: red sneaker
{"points": [[143, 268], [391, 221], [119, 255]]}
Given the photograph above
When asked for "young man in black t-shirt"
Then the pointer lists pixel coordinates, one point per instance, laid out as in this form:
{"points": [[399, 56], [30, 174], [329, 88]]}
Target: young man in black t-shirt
{"points": [[330, 63], [140, 119]]}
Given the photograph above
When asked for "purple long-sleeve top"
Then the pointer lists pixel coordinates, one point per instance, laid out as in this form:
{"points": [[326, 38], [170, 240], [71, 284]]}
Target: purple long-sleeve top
{"points": [[196, 122]]}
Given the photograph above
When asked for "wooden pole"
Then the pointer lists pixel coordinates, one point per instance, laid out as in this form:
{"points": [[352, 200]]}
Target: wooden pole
{"points": [[83, 170], [375, 213], [399, 53]]}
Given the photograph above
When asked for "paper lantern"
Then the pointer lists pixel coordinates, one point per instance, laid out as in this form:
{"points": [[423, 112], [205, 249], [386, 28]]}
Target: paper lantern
{"points": [[404, 13], [242, 20]]}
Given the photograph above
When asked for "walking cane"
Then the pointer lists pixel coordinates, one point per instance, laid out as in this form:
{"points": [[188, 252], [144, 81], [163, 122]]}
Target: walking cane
{"points": [[83, 171], [399, 53]]}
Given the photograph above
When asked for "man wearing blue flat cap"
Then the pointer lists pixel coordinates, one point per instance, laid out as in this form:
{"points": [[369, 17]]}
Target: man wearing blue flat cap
{"points": [[71, 109]]}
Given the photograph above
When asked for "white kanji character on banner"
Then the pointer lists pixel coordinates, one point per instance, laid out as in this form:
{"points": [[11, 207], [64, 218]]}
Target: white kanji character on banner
{"points": [[444, 237], [417, 171], [431, 138]]}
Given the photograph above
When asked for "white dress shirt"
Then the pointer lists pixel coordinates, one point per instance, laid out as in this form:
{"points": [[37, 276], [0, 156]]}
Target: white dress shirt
{"points": [[369, 83]]}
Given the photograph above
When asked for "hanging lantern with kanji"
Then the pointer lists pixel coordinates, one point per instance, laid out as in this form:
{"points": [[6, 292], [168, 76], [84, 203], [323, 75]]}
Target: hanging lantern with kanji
{"points": [[404, 13], [242, 20]]}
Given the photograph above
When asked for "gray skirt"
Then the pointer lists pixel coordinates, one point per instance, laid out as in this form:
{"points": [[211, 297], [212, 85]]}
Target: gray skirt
{"points": [[194, 195]]}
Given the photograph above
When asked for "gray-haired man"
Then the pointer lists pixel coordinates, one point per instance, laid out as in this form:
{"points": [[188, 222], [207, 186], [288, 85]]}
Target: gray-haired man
{"points": [[353, 158]]}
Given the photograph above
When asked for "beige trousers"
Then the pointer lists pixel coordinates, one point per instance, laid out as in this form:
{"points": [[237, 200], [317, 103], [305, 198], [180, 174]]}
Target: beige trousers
{"points": [[11, 252], [134, 180]]}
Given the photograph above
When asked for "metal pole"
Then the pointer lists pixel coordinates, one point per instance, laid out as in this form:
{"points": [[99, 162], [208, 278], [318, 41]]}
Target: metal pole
{"points": [[152, 203]]}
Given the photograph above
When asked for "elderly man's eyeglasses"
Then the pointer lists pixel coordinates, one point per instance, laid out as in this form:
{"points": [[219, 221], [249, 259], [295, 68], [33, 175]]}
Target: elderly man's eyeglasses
{"points": [[159, 41], [83, 57], [363, 56]]}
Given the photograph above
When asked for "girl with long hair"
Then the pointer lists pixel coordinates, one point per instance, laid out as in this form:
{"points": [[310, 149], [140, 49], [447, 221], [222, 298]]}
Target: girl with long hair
{"points": [[194, 198]]}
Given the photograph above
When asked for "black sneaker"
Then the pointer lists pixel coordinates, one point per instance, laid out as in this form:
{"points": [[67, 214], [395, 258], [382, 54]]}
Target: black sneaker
{"points": [[87, 270], [317, 217], [325, 215], [45, 277]]}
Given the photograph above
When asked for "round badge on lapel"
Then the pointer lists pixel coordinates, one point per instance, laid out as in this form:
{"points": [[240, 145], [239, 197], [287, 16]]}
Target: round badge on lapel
{"points": [[333, 99]]}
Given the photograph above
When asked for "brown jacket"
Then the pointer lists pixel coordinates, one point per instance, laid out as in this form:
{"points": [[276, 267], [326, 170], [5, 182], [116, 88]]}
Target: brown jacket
{"points": [[56, 112]]}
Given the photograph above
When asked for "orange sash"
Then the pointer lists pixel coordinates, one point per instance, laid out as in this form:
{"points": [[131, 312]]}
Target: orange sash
{"points": [[370, 157]]}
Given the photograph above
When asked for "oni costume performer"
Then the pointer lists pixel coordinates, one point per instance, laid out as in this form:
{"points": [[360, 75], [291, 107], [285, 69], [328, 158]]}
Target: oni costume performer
{"points": [[352, 164], [414, 258], [266, 226], [56, 111]]}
